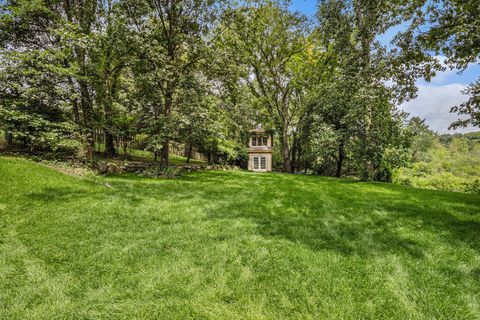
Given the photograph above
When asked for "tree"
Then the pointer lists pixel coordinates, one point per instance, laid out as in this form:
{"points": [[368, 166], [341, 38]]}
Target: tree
{"points": [[358, 103], [267, 39], [173, 36], [423, 138], [110, 57], [34, 89], [59, 34]]}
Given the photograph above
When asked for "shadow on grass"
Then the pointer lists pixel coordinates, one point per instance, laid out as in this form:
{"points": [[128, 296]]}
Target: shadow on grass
{"points": [[339, 215]]}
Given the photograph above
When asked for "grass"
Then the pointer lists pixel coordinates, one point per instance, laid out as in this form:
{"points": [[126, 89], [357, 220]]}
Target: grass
{"points": [[233, 245]]}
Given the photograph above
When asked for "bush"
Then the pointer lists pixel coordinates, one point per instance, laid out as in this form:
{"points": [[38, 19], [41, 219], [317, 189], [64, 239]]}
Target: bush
{"points": [[383, 174], [473, 186], [443, 181]]}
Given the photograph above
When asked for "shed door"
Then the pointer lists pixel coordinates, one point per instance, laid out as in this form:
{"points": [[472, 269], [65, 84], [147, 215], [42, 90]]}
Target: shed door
{"points": [[260, 163], [263, 163]]}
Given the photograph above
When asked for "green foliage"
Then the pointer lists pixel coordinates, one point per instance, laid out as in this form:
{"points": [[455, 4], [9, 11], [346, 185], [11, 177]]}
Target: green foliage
{"points": [[473, 186], [154, 74], [452, 162]]}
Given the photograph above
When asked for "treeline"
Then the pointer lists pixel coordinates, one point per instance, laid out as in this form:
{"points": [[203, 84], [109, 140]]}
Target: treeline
{"points": [[152, 73]]}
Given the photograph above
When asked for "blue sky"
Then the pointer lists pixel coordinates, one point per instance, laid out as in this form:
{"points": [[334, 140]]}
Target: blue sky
{"points": [[434, 98], [308, 7]]}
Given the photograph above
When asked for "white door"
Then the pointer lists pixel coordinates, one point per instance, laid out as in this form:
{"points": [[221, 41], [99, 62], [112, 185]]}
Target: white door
{"points": [[260, 163], [263, 163]]}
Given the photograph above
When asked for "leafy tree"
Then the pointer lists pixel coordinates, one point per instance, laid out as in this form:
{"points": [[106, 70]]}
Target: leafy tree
{"points": [[423, 137], [267, 40], [58, 34], [358, 103], [173, 37], [110, 57], [34, 91]]}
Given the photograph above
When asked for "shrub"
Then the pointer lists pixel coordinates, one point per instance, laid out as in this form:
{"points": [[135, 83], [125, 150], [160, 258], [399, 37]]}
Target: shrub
{"points": [[473, 186], [383, 174]]}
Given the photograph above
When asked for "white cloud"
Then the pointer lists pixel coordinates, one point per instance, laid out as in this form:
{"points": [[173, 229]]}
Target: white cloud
{"points": [[433, 104], [443, 76], [436, 98]]}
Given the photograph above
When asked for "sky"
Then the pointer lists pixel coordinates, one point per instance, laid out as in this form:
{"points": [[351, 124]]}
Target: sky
{"points": [[434, 98]]}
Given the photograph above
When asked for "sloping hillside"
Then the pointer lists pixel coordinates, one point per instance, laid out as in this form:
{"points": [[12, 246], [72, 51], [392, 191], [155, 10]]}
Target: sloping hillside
{"points": [[233, 245]]}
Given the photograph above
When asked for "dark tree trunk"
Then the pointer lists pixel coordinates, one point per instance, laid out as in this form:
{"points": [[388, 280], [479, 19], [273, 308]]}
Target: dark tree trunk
{"points": [[340, 159], [110, 85], [9, 138], [188, 153], [295, 154], [76, 113], [85, 16], [209, 158], [125, 149], [109, 144]]}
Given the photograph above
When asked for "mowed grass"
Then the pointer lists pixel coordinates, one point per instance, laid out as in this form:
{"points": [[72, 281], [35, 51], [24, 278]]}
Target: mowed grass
{"points": [[233, 245]]}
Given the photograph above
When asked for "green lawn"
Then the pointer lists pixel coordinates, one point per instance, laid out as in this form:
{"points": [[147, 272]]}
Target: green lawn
{"points": [[233, 245]]}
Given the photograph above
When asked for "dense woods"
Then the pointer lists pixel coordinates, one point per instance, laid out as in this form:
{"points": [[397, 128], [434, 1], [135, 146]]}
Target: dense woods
{"points": [[77, 75]]}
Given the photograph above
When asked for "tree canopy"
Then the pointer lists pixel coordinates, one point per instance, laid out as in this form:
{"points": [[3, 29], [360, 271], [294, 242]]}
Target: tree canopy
{"points": [[197, 75]]}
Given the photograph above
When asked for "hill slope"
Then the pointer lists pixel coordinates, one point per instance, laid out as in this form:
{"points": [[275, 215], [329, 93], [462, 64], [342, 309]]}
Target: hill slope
{"points": [[223, 245]]}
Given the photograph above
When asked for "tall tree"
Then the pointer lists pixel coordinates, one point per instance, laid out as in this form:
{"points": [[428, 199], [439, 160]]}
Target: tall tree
{"points": [[267, 39], [364, 67], [60, 34], [111, 55], [174, 34]]}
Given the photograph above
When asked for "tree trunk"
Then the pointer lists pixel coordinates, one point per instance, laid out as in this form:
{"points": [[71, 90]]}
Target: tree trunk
{"points": [[188, 154], [209, 158], [85, 17], [109, 144], [125, 149], [9, 138], [340, 159], [166, 113], [87, 110], [287, 167], [76, 112], [363, 18], [295, 155], [107, 130]]}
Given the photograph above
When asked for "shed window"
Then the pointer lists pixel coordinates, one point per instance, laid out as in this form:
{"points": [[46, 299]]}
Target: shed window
{"points": [[263, 163], [255, 163], [259, 141]]}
